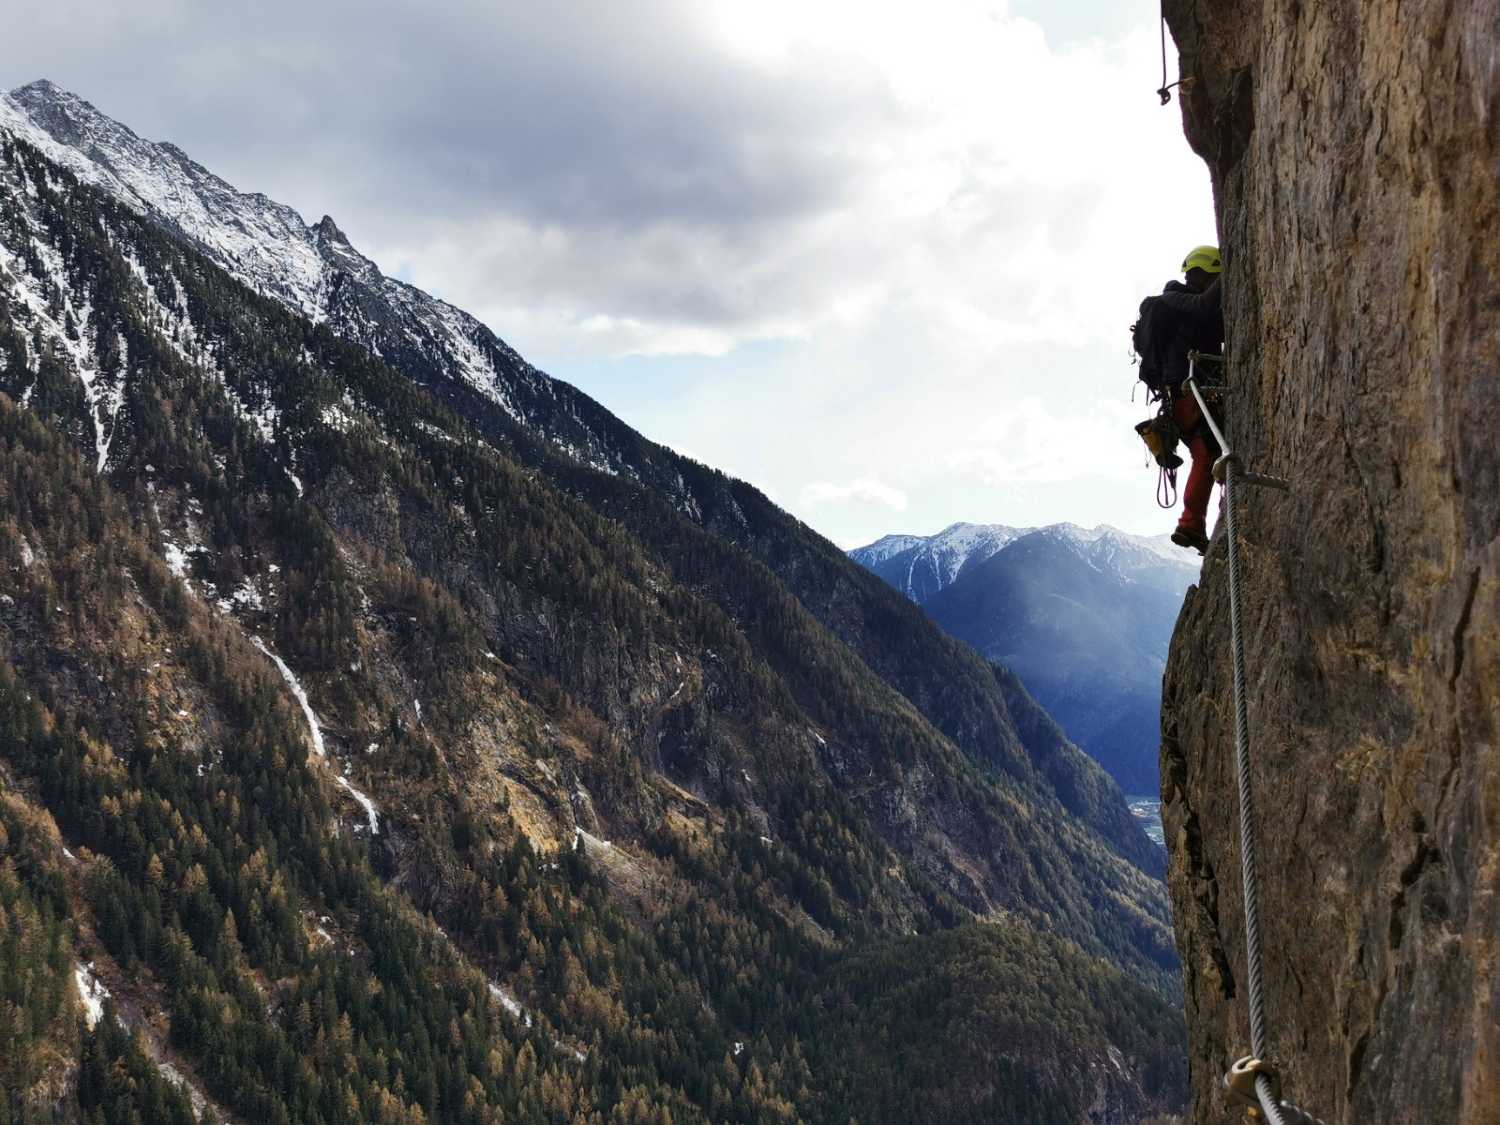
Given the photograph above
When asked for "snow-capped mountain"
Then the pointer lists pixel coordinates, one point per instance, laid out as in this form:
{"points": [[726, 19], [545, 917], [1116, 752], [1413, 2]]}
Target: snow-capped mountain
{"points": [[338, 593], [923, 566], [885, 547], [267, 243], [543, 424], [1082, 615], [311, 268]]}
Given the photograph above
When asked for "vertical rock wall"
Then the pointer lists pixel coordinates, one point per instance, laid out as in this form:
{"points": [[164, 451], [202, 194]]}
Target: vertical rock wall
{"points": [[1354, 149]]}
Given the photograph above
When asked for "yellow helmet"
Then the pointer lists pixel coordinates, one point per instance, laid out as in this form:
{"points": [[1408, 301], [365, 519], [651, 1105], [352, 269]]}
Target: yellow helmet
{"points": [[1205, 258]]}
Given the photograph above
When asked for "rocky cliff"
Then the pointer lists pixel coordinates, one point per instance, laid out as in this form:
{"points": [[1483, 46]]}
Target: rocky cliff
{"points": [[1354, 150]]}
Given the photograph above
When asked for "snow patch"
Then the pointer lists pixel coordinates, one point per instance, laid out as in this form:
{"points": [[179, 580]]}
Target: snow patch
{"points": [[247, 596], [510, 1003], [588, 840], [1116, 1058], [178, 1079], [338, 417], [91, 992], [314, 730], [177, 558], [371, 816]]}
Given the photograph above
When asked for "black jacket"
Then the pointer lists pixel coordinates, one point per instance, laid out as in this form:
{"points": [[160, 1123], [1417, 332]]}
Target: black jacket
{"points": [[1199, 326]]}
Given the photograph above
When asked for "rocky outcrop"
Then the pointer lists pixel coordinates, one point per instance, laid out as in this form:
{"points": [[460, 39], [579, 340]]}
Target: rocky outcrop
{"points": [[1355, 155]]}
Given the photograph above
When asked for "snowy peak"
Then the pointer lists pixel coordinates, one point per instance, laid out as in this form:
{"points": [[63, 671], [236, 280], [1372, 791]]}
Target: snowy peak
{"points": [[886, 546], [1131, 553], [968, 539], [43, 85], [340, 253], [328, 232], [923, 566], [1082, 615], [55, 108], [265, 243], [920, 566], [262, 242], [314, 270], [1105, 540]]}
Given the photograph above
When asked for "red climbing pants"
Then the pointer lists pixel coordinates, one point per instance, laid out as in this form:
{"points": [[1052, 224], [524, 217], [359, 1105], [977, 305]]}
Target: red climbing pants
{"points": [[1204, 450]]}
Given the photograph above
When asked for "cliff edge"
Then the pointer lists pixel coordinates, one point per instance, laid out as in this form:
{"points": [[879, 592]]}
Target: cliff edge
{"points": [[1354, 149]]}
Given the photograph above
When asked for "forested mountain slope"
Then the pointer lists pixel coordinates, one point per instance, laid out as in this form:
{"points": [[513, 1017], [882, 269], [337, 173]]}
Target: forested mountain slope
{"points": [[664, 499], [1083, 616], [359, 735], [1087, 637]]}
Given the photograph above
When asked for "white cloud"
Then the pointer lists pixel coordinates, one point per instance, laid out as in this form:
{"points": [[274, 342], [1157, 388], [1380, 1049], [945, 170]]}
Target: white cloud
{"points": [[800, 237], [939, 155], [957, 297], [1033, 443], [865, 490], [632, 337]]}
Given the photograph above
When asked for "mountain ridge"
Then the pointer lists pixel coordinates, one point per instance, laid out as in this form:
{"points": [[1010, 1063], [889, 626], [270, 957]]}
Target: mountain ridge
{"points": [[1082, 615], [943, 556], [553, 427], [512, 674]]}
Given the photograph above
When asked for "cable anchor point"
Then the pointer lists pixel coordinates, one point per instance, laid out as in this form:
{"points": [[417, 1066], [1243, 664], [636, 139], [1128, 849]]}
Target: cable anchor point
{"points": [[1240, 1082]]}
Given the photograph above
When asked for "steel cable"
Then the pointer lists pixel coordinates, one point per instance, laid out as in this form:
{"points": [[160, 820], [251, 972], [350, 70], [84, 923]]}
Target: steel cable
{"points": [[1248, 874], [1276, 1111]]}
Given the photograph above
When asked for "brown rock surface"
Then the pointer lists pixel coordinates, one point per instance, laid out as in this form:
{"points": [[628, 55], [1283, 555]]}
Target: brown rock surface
{"points": [[1355, 156]]}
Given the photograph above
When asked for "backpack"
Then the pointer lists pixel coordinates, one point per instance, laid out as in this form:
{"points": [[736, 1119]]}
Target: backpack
{"points": [[1150, 338]]}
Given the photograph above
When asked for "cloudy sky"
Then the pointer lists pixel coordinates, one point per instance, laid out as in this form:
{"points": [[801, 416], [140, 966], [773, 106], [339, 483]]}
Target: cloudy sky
{"points": [[878, 258]]}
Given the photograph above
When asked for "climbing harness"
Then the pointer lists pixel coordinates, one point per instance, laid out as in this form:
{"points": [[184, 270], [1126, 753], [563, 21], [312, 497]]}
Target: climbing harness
{"points": [[1251, 1083]]}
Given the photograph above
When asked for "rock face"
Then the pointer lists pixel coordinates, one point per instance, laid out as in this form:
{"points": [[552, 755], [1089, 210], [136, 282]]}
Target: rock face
{"points": [[1355, 155]]}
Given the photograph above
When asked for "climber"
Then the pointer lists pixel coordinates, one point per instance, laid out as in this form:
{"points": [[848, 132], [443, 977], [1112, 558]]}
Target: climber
{"points": [[1187, 317]]}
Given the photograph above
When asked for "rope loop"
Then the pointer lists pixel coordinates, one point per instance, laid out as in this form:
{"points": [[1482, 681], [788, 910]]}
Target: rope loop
{"points": [[1166, 488], [1164, 91]]}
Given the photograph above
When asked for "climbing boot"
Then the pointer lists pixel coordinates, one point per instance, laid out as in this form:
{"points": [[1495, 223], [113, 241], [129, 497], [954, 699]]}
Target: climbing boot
{"points": [[1191, 537]]}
